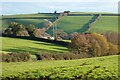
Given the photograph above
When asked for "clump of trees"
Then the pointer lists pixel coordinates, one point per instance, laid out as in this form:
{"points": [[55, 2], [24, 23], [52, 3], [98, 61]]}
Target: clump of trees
{"points": [[61, 34], [92, 45], [16, 29], [113, 37]]}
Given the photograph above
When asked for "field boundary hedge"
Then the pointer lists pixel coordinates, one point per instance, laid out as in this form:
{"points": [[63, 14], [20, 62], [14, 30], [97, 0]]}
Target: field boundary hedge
{"points": [[95, 19], [93, 14]]}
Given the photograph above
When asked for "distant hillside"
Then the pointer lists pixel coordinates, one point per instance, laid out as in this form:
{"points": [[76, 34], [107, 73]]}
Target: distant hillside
{"points": [[69, 24], [26, 19], [72, 24]]}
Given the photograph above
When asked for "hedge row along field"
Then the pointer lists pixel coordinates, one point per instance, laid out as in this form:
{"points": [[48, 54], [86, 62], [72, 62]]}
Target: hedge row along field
{"points": [[99, 68]]}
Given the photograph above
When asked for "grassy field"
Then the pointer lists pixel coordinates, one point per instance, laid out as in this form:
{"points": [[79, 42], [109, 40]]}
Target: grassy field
{"points": [[29, 15], [21, 45], [37, 22], [99, 68], [90, 13], [69, 24], [26, 22], [106, 23], [72, 24]]}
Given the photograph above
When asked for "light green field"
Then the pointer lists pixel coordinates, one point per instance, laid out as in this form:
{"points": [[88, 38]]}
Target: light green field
{"points": [[21, 45], [72, 24], [99, 68], [106, 23]]}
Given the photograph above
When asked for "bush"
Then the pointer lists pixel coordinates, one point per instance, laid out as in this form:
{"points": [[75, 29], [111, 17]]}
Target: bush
{"points": [[58, 56], [112, 37], [16, 29], [113, 49], [15, 57], [91, 45]]}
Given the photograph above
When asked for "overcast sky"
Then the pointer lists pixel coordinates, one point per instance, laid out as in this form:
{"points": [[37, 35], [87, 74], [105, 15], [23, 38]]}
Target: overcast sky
{"points": [[34, 6]]}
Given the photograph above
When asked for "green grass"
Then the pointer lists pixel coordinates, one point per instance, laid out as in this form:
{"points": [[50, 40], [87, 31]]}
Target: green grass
{"points": [[37, 22], [106, 23], [21, 45], [72, 24], [29, 15], [69, 24], [99, 68], [90, 13]]}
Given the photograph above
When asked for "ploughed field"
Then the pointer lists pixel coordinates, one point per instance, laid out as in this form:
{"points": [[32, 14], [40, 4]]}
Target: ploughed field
{"points": [[99, 68]]}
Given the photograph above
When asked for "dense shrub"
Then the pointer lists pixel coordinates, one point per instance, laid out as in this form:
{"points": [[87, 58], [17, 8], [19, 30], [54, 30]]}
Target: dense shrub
{"points": [[113, 37], [16, 30], [15, 57], [0, 57], [91, 45], [58, 56], [113, 49]]}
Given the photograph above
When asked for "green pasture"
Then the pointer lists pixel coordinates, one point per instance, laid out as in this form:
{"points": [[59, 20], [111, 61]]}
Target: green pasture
{"points": [[106, 23], [90, 13], [29, 15], [22, 45], [99, 68], [72, 24], [37, 22]]}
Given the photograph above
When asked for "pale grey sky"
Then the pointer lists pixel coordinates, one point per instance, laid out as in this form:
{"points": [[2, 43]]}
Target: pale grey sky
{"points": [[34, 6]]}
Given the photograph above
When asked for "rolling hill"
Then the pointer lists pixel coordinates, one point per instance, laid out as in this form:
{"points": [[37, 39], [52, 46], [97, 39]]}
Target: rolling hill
{"points": [[69, 24], [26, 19]]}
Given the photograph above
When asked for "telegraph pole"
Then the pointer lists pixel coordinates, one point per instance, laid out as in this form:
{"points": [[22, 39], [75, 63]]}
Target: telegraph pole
{"points": [[55, 29]]}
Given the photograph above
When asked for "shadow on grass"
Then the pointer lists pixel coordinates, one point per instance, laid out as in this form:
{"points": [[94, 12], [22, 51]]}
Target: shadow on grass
{"points": [[46, 44], [32, 50]]}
